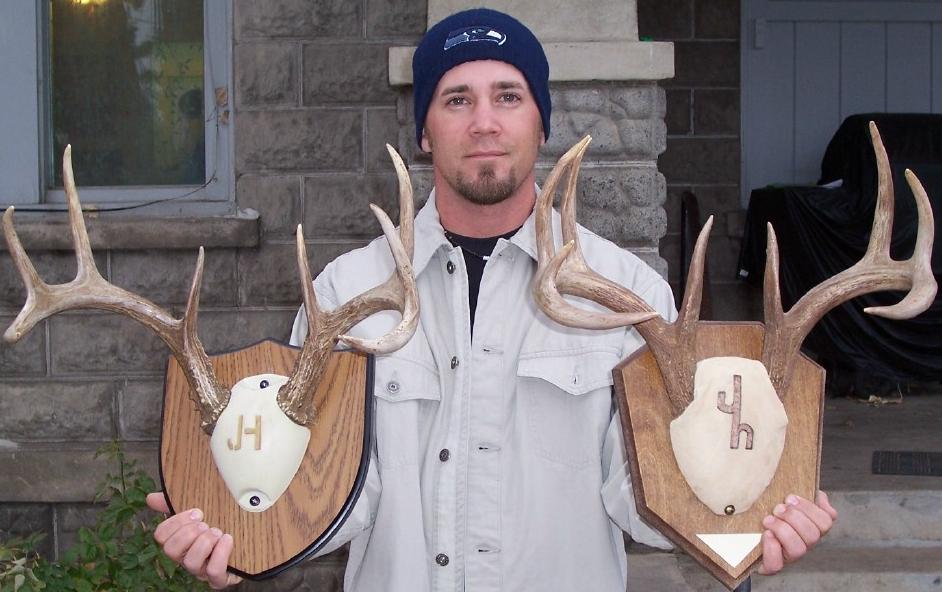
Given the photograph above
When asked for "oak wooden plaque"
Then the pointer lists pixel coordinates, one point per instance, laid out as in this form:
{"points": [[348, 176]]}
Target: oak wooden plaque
{"points": [[326, 485], [663, 497]]}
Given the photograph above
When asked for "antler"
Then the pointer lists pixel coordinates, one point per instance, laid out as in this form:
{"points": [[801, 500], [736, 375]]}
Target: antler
{"points": [[875, 272], [90, 290], [324, 328], [566, 272]]}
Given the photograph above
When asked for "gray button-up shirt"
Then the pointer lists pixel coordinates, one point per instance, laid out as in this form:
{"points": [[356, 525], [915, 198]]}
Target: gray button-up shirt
{"points": [[499, 463]]}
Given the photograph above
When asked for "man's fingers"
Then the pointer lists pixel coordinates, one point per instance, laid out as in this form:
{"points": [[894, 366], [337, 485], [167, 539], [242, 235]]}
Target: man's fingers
{"points": [[194, 560], [792, 544], [805, 518], [170, 526], [180, 541], [772, 559], [157, 502], [216, 567]]}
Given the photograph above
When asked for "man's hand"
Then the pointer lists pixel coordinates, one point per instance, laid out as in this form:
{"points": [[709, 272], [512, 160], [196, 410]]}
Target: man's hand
{"points": [[792, 529], [189, 541]]}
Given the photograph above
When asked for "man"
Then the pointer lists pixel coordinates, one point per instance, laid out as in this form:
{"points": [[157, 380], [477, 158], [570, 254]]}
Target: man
{"points": [[499, 463]]}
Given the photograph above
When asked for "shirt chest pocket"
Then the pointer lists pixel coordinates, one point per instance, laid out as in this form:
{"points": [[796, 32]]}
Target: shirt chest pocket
{"points": [[565, 397], [407, 397]]}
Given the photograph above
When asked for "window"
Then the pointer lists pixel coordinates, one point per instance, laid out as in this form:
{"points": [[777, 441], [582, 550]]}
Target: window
{"points": [[138, 87]]}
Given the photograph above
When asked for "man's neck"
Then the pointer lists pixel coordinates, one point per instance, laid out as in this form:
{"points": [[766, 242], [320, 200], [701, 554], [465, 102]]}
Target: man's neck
{"points": [[463, 217]]}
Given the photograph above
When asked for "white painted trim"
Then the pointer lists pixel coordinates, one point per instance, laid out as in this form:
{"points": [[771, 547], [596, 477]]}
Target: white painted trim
{"points": [[581, 61]]}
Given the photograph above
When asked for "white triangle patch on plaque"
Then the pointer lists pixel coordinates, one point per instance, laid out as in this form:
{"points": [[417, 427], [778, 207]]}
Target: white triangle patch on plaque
{"points": [[733, 548]]}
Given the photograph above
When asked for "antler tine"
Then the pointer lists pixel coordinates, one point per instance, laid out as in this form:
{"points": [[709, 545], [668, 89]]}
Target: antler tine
{"points": [[90, 290], [693, 295], [876, 271], [324, 328], [566, 272], [922, 294]]}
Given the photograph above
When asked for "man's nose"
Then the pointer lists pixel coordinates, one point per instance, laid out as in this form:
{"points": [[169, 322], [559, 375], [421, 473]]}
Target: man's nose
{"points": [[484, 120]]}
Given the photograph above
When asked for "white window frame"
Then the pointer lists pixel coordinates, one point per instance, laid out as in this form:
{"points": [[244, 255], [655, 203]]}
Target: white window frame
{"points": [[23, 150]]}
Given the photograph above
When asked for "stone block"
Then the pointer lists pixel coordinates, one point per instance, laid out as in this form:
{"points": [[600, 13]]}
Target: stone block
{"points": [[608, 198], [678, 114], [277, 198], [612, 139], [100, 343], [164, 277], [266, 74], [338, 205], [701, 160], [716, 111], [53, 473], [54, 267], [270, 274], [20, 520], [238, 329], [140, 408], [57, 411], [665, 20], [558, 20], [27, 357], [381, 128], [705, 64], [716, 19], [69, 519], [395, 18], [297, 18], [347, 73], [299, 140]]}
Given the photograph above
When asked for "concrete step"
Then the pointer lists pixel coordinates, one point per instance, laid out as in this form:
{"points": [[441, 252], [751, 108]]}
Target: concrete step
{"points": [[887, 518], [827, 569]]}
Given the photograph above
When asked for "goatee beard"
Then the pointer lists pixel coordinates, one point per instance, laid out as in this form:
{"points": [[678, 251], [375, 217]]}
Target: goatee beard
{"points": [[487, 189]]}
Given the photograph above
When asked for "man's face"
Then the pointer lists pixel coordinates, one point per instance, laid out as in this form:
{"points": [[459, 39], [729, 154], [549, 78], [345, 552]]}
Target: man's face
{"points": [[483, 129]]}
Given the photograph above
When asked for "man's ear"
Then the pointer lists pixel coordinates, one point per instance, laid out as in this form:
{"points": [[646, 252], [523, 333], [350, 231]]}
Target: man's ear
{"points": [[426, 143]]}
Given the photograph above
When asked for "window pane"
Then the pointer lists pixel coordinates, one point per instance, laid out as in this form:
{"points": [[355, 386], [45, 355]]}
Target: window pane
{"points": [[127, 91]]}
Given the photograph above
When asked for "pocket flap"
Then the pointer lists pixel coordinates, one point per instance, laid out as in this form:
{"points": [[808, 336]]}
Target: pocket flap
{"points": [[576, 371], [402, 379]]}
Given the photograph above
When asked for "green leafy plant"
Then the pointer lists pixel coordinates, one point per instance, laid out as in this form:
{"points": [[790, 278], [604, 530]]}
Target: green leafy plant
{"points": [[119, 553]]}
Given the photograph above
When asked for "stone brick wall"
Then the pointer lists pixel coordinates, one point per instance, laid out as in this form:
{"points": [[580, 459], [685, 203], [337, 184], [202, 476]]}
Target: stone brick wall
{"points": [[703, 137]]}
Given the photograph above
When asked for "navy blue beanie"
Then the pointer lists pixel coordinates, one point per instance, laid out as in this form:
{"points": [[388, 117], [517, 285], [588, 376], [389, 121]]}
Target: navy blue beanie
{"points": [[478, 34]]}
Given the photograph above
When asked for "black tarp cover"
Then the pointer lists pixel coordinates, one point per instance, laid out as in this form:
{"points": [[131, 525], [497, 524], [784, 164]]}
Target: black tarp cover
{"points": [[823, 231]]}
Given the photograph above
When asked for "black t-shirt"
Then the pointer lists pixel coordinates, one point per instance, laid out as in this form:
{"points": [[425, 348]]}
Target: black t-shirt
{"points": [[476, 252]]}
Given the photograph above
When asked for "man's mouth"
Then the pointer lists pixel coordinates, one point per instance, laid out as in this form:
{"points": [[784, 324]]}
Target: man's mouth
{"points": [[486, 154]]}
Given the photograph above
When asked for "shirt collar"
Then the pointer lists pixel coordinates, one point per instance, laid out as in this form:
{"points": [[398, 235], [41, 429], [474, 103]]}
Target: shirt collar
{"points": [[430, 236]]}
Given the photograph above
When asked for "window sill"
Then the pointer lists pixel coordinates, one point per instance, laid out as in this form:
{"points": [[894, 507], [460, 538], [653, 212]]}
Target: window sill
{"points": [[50, 231]]}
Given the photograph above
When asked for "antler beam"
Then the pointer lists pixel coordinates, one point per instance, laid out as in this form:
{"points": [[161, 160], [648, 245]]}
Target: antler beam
{"points": [[875, 272], [90, 290]]}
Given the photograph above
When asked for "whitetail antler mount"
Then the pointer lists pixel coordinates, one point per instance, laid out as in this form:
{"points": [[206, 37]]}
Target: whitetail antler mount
{"points": [[705, 405], [217, 402]]}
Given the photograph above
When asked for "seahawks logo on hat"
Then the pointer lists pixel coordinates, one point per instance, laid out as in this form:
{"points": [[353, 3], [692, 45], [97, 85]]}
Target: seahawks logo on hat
{"points": [[476, 33]]}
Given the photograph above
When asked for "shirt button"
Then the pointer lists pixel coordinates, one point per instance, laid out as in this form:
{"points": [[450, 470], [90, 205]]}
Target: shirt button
{"points": [[454, 362], [444, 455], [392, 386], [441, 559], [450, 267]]}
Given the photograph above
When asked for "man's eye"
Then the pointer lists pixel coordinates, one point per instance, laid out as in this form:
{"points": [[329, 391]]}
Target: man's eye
{"points": [[509, 98], [457, 101]]}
